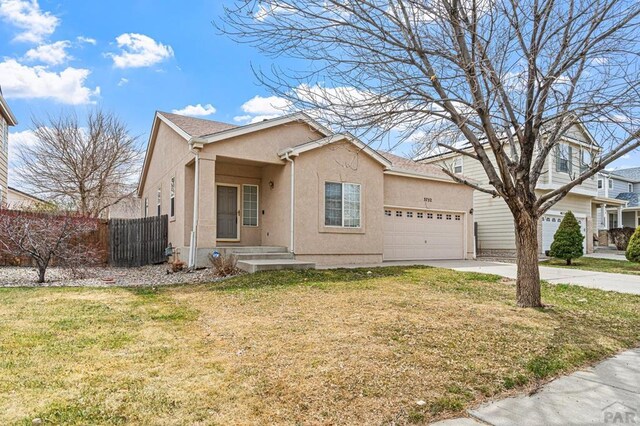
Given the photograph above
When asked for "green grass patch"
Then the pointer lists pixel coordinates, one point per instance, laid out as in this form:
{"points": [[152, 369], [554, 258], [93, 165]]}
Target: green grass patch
{"points": [[597, 265]]}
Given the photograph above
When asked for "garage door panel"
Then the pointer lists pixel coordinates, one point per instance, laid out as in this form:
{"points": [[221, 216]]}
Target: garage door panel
{"points": [[423, 235]]}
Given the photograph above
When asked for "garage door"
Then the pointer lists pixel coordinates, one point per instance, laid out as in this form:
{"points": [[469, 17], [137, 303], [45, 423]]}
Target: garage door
{"points": [[550, 224], [423, 235]]}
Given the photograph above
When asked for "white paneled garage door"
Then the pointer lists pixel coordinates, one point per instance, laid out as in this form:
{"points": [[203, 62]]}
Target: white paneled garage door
{"points": [[550, 224], [423, 235]]}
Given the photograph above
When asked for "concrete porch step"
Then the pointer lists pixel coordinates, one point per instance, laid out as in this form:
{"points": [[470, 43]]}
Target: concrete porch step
{"points": [[251, 249], [258, 265], [263, 256]]}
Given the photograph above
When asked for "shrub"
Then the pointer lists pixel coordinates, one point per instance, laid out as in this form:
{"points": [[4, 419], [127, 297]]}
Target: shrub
{"points": [[621, 236], [224, 265], [633, 248], [568, 240]]}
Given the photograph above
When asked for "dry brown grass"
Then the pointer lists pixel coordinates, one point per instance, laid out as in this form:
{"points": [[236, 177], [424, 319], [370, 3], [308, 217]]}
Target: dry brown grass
{"points": [[307, 347]]}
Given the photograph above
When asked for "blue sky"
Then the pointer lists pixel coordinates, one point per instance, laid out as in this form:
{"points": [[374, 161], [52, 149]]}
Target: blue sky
{"points": [[130, 57]]}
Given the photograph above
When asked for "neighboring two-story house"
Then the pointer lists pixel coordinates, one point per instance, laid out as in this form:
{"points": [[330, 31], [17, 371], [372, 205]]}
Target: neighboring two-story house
{"points": [[623, 185], [6, 119], [495, 232]]}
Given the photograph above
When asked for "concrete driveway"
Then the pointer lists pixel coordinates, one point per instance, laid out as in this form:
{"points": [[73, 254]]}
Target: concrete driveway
{"points": [[604, 281]]}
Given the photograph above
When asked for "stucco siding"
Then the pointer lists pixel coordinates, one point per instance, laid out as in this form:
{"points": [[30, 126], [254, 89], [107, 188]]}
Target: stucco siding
{"points": [[343, 163]]}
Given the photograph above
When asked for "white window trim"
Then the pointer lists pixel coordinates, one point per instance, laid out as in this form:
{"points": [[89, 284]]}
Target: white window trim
{"points": [[458, 163], [172, 197], [257, 206], [159, 201], [343, 204]]}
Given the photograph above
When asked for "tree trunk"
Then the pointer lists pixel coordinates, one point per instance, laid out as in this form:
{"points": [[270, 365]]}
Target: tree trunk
{"points": [[41, 272], [568, 262], [528, 279]]}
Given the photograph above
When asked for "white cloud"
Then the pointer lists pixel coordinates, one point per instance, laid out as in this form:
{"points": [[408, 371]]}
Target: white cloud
{"points": [[51, 54], [87, 40], [123, 81], [26, 15], [139, 50], [261, 108], [196, 110], [37, 82], [271, 7]]}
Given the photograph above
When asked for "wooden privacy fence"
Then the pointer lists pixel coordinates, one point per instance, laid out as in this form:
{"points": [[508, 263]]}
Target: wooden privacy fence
{"points": [[138, 242]]}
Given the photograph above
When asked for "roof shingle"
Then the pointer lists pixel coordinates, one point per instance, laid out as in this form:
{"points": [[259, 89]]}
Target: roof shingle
{"points": [[197, 127], [407, 164]]}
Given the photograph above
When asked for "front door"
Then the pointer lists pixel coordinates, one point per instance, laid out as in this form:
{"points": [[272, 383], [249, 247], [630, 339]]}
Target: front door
{"points": [[227, 221]]}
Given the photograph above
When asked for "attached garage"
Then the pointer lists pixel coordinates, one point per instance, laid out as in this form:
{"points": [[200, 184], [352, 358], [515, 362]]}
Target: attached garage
{"points": [[550, 224], [423, 235]]}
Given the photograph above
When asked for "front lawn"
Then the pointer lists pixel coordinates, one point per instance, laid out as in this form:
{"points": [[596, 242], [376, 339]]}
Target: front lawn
{"points": [[309, 347], [597, 265]]}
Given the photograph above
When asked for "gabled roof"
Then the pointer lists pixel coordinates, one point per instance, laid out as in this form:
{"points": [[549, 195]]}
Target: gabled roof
{"points": [[632, 173], [319, 143], [630, 197], [195, 127], [408, 165], [6, 111], [24, 194]]}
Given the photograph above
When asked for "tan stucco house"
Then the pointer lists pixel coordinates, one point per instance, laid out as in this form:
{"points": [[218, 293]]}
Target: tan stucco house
{"points": [[18, 199], [290, 183], [7, 119], [494, 222]]}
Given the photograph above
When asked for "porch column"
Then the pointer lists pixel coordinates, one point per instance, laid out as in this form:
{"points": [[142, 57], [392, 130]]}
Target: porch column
{"points": [[635, 223], [605, 216], [207, 205], [619, 216]]}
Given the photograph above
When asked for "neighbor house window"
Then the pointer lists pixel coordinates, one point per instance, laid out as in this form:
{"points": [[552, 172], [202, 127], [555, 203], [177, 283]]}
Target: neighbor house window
{"points": [[563, 158], [146, 207], [610, 183], [172, 197], [250, 205], [457, 166], [159, 201], [599, 183], [630, 187], [342, 204], [585, 160]]}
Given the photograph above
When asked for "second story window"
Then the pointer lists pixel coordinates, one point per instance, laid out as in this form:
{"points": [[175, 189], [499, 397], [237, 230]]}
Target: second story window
{"points": [[599, 183], [630, 187], [610, 183], [585, 160], [563, 158], [457, 166]]}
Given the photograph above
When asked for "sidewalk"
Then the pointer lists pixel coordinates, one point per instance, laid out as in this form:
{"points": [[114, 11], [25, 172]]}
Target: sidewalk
{"points": [[622, 283], [608, 393]]}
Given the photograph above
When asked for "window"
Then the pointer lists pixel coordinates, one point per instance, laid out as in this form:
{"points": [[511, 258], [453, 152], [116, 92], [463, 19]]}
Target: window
{"points": [[409, 214], [563, 158], [387, 212], [457, 166], [172, 197], [630, 187], [342, 204], [457, 217], [438, 216], [610, 181], [146, 207], [249, 205], [159, 201], [398, 213], [420, 215], [429, 215], [448, 217], [599, 183], [585, 160]]}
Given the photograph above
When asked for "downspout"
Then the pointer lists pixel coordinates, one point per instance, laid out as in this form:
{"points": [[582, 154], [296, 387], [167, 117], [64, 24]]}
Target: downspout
{"points": [[196, 202], [292, 207]]}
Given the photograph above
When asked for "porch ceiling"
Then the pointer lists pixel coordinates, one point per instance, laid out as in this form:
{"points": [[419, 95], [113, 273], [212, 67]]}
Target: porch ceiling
{"points": [[243, 162]]}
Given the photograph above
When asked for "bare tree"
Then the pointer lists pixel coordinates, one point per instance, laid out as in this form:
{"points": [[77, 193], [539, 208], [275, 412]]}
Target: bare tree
{"points": [[85, 168], [46, 236], [501, 82]]}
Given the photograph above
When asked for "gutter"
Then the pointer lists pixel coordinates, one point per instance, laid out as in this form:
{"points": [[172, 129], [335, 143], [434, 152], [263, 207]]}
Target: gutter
{"points": [[194, 147], [287, 156]]}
